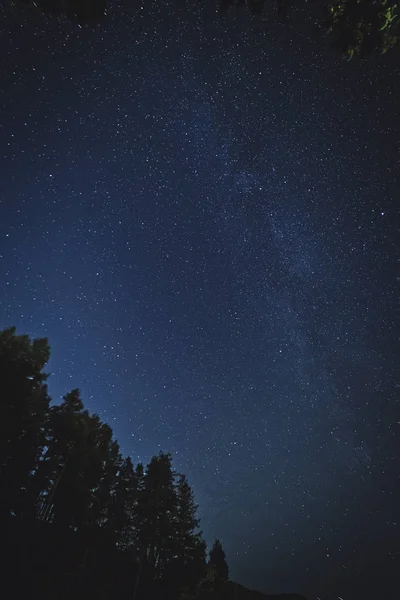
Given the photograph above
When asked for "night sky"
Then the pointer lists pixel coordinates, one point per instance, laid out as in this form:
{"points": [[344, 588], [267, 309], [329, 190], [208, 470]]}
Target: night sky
{"points": [[200, 215]]}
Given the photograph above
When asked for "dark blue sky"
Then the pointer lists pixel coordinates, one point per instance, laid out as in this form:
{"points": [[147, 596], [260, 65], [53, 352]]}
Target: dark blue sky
{"points": [[200, 215]]}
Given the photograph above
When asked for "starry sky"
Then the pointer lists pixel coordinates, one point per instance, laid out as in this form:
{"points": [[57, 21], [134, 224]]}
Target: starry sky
{"points": [[200, 215]]}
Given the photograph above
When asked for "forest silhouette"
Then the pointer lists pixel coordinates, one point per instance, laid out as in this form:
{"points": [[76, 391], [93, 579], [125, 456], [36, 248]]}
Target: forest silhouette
{"points": [[79, 519]]}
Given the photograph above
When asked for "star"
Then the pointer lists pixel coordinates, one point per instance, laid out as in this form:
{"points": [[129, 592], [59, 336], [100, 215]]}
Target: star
{"points": [[198, 216]]}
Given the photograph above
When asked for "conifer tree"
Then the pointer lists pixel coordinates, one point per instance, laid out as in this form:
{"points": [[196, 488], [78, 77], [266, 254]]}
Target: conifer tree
{"points": [[79, 466], [25, 408], [123, 505], [190, 559], [157, 504], [218, 561], [61, 469]]}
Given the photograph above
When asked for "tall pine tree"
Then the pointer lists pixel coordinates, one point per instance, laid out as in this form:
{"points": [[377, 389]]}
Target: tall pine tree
{"points": [[123, 506], [24, 414], [156, 512], [218, 561], [190, 560], [62, 470], [79, 467]]}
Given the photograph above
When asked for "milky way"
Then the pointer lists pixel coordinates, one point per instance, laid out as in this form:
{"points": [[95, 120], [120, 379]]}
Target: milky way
{"points": [[200, 215]]}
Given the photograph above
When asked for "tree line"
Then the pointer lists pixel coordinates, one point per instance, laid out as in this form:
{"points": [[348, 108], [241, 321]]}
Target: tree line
{"points": [[79, 518]]}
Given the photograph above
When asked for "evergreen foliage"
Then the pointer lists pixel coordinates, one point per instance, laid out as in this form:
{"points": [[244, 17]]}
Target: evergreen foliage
{"points": [[74, 503], [78, 519]]}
